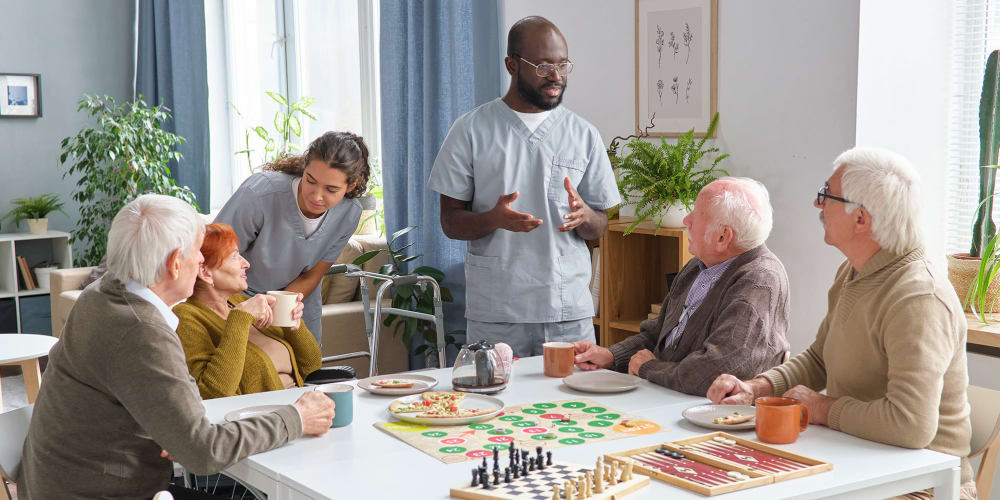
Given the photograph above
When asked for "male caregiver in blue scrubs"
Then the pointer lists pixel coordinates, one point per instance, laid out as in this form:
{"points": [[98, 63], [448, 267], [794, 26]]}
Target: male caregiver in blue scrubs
{"points": [[526, 182]]}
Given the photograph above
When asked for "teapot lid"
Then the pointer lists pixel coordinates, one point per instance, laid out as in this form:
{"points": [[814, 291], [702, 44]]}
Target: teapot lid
{"points": [[481, 345]]}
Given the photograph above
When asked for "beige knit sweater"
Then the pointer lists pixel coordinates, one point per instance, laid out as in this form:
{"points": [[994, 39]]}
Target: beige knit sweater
{"points": [[891, 351]]}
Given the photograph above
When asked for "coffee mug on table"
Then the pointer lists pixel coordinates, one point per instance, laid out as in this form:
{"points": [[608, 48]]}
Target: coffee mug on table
{"points": [[283, 304], [557, 358], [343, 399], [780, 420]]}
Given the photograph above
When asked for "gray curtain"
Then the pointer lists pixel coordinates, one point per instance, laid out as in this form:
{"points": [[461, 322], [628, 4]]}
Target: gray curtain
{"points": [[440, 59], [171, 69]]}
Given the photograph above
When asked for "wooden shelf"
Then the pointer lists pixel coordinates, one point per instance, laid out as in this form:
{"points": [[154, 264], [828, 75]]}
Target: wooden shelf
{"points": [[645, 227], [983, 334], [627, 325], [597, 320]]}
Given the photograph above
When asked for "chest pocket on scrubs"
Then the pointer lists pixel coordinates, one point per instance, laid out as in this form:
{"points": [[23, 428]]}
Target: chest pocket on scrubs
{"points": [[562, 168]]}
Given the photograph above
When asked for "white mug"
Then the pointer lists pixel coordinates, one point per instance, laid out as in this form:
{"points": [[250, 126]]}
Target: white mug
{"points": [[283, 305]]}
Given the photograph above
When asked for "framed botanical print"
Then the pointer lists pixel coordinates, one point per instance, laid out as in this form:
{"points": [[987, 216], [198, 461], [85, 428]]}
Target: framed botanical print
{"points": [[20, 95], [676, 65]]}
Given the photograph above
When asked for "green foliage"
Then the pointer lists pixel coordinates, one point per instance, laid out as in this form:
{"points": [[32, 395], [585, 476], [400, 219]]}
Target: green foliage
{"points": [[38, 207], [375, 190], [417, 297], [989, 142], [665, 174], [124, 155], [287, 132], [989, 266]]}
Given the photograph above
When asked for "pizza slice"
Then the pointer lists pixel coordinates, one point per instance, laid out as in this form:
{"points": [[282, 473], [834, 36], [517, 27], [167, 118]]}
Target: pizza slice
{"points": [[451, 411], [409, 407], [393, 384], [443, 397], [735, 418]]}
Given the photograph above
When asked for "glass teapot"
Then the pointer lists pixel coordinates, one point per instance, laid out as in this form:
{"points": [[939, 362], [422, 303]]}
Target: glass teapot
{"points": [[481, 368]]}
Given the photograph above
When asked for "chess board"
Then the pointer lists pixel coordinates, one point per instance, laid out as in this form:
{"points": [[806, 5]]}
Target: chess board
{"points": [[538, 486], [524, 426], [718, 462]]}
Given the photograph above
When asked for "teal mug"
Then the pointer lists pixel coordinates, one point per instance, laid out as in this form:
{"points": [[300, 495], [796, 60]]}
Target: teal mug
{"points": [[343, 398]]}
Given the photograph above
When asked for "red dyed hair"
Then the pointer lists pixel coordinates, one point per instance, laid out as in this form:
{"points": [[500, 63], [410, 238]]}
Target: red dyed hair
{"points": [[220, 241]]}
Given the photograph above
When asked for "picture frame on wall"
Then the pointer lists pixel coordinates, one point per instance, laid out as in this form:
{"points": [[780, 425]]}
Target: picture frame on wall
{"points": [[676, 66], [20, 95]]}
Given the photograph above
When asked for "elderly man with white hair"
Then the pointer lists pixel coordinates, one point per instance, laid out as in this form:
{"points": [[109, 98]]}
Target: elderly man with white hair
{"points": [[117, 395], [891, 351], [727, 310]]}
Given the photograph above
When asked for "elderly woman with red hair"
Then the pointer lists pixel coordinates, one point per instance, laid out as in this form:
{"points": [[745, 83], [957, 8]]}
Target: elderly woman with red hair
{"points": [[228, 341]]}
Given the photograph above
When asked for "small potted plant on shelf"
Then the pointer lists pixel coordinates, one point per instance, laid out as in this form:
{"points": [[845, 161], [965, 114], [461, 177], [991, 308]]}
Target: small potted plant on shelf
{"points": [[35, 210], [662, 181], [973, 274]]}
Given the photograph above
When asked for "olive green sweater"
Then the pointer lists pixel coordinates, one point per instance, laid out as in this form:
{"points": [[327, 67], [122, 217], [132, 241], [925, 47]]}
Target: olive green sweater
{"points": [[225, 363], [891, 351]]}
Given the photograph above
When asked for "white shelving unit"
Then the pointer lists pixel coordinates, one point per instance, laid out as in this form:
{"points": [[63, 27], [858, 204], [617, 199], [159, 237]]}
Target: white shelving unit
{"points": [[53, 247]]}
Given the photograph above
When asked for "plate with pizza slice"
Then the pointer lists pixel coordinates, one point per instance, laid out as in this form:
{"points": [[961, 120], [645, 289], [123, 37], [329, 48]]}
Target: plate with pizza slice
{"points": [[399, 384], [445, 408], [727, 417]]}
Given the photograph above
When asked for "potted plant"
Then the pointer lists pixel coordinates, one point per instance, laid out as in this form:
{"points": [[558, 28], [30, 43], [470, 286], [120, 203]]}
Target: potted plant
{"points": [[663, 181], [287, 130], [35, 210], [42, 273], [413, 298], [125, 154], [973, 274]]}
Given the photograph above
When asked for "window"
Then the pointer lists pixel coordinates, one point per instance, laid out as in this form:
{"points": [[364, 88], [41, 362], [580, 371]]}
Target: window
{"points": [[323, 49], [975, 33]]}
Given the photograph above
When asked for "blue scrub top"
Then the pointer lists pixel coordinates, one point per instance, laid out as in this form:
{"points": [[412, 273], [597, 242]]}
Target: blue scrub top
{"points": [[541, 276], [265, 215]]}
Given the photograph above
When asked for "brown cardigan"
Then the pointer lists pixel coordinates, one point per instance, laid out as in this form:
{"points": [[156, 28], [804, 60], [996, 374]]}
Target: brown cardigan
{"points": [[115, 393], [738, 329]]}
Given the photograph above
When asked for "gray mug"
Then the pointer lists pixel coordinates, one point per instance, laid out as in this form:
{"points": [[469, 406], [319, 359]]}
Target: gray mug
{"points": [[343, 398]]}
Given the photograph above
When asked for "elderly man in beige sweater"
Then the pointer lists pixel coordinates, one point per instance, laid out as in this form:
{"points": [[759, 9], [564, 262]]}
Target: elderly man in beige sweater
{"points": [[727, 309], [117, 395], [891, 350]]}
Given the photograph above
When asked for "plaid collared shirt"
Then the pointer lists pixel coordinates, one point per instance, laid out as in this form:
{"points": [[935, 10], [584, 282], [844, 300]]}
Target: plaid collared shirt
{"points": [[707, 277]]}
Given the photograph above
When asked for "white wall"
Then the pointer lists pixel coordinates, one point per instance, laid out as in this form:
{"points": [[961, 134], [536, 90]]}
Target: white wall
{"points": [[787, 100]]}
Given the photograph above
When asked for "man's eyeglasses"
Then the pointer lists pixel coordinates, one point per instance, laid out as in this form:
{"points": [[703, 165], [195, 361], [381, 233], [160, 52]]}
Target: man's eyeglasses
{"points": [[824, 194], [545, 69]]}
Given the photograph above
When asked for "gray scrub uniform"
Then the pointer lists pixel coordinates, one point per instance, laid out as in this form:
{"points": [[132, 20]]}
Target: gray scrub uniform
{"points": [[540, 276], [265, 216]]}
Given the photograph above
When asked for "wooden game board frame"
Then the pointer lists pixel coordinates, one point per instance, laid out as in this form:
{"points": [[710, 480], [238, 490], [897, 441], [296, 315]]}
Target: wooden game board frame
{"points": [[611, 492], [759, 478]]}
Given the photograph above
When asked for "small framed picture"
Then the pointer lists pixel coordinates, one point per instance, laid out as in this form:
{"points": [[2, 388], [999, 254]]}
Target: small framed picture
{"points": [[20, 95]]}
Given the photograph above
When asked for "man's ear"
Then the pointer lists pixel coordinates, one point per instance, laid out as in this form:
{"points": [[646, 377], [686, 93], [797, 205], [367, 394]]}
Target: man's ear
{"points": [[725, 238], [511, 65], [174, 264], [862, 221]]}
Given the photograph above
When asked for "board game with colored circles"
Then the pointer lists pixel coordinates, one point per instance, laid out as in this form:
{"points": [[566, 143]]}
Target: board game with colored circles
{"points": [[551, 425]]}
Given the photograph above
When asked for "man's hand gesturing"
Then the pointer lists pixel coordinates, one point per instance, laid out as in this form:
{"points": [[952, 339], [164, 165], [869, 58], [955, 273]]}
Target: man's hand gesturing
{"points": [[510, 219]]}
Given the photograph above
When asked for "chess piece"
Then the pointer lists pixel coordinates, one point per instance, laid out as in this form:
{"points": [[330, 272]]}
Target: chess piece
{"points": [[475, 478], [581, 488], [555, 492], [540, 459], [484, 479], [599, 476], [496, 477], [483, 466], [531, 463], [568, 488], [506, 475], [628, 471], [517, 471], [548, 456], [524, 469], [588, 491], [613, 472]]}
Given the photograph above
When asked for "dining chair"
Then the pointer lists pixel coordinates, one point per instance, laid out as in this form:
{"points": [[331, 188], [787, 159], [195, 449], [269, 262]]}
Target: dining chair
{"points": [[985, 416], [13, 431]]}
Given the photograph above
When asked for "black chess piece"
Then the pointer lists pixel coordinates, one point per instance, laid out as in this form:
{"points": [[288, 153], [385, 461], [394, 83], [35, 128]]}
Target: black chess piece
{"points": [[475, 477], [548, 456], [483, 466], [496, 455], [531, 463], [484, 479], [496, 477], [540, 460], [506, 475], [517, 471], [524, 469]]}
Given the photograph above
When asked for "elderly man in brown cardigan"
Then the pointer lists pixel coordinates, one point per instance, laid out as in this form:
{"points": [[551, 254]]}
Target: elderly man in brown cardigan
{"points": [[116, 395], [727, 310], [891, 350]]}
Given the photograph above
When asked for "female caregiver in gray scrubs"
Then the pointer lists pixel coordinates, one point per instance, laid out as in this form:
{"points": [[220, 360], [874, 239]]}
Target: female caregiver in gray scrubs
{"points": [[295, 217]]}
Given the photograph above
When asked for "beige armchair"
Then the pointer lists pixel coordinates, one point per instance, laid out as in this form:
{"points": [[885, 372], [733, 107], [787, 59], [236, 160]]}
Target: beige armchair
{"points": [[343, 320]]}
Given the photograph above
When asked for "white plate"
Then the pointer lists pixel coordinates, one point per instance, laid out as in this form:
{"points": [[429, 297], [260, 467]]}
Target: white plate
{"points": [[602, 381], [704, 415], [421, 383], [252, 411], [471, 402]]}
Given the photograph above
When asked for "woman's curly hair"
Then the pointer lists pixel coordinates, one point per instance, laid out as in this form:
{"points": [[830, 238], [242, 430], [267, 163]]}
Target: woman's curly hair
{"points": [[343, 151]]}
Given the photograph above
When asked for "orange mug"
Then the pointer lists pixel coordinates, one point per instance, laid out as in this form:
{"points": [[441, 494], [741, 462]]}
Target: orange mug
{"points": [[557, 358], [780, 420]]}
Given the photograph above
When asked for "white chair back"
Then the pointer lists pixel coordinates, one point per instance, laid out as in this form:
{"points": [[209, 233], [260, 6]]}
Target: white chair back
{"points": [[13, 430], [985, 416]]}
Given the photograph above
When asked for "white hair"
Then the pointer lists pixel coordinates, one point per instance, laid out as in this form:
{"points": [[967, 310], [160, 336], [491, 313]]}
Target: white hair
{"points": [[888, 187], [144, 234], [744, 205]]}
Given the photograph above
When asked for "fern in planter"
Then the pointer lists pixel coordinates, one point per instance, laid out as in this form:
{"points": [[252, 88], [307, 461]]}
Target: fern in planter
{"points": [[125, 154], [665, 174], [38, 207]]}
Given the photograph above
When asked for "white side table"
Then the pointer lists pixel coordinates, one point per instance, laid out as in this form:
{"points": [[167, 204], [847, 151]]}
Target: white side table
{"points": [[24, 349]]}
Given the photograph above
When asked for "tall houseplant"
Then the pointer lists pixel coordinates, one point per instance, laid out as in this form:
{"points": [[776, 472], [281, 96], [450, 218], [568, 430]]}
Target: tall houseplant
{"points": [[656, 177], [973, 274], [287, 130], [125, 154], [412, 297]]}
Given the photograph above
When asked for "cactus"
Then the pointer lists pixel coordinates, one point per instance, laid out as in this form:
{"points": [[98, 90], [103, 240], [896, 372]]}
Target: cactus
{"points": [[989, 142]]}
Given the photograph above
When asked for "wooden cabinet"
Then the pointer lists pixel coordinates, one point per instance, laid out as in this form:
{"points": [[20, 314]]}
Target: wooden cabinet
{"points": [[23, 310], [634, 271]]}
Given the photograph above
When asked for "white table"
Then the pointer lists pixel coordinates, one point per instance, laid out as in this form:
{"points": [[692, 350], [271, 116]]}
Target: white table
{"points": [[360, 461], [24, 349]]}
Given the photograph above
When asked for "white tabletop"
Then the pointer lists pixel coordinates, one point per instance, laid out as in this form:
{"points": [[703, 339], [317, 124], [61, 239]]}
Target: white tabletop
{"points": [[360, 461], [16, 347]]}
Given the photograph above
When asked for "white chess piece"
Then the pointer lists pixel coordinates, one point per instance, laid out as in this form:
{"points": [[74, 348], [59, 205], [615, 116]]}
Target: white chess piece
{"points": [[555, 492], [580, 487], [587, 484], [568, 488], [614, 473], [599, 475]]}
